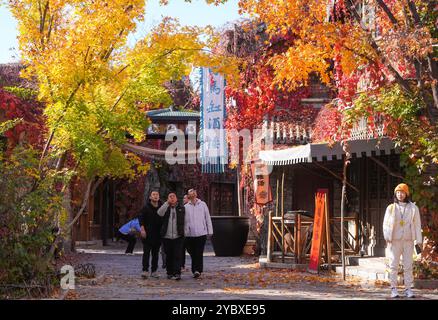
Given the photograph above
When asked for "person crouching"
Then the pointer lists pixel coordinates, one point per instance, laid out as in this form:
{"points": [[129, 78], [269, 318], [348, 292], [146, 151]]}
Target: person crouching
{"points": [[129, 232]]}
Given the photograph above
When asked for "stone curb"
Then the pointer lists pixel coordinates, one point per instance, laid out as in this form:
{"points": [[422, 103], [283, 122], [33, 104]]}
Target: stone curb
{"points": [[426, 283]]}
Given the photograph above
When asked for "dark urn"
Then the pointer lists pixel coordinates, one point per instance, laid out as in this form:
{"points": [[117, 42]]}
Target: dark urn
{"points": [[230, 234]]}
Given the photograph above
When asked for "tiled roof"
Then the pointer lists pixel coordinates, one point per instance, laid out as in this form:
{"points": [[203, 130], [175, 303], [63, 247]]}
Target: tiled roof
{"points": [[169, 113]]}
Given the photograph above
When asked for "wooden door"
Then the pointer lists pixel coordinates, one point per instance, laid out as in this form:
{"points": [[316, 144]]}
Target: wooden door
{"points": [[305, 184], [222, 199], [378, 187]]}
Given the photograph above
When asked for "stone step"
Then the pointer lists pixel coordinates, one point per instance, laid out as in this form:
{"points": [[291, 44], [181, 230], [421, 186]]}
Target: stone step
{"points": [[372, 262], [367, 268], [376, 264], [365, 273], [263, 261]]}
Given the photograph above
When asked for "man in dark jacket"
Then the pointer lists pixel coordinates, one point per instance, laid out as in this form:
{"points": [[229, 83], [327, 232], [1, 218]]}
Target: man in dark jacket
{"points": [[151, 224], [172, 232]]}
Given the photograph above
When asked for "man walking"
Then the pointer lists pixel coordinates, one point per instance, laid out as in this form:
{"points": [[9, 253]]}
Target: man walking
{"points": [[151, 224], [197, 227], [172, 232]]}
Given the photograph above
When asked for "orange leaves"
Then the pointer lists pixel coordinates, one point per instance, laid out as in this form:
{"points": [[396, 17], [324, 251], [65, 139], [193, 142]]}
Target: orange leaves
{"points": [[315, 38], [381, 283], [72, 295], [263, 278], [292, 69], [235, 289], [354, 39]]}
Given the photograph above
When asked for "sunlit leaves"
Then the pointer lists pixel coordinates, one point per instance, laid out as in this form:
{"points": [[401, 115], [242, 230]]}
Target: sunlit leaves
{"points": [[96, 88]]}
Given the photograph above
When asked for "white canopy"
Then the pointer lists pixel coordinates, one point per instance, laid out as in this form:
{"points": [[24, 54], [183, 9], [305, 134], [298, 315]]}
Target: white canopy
{"points": [[322, 151]]}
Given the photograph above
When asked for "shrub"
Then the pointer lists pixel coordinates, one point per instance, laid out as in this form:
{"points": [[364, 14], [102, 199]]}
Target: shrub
{"points": [[31, 212]]}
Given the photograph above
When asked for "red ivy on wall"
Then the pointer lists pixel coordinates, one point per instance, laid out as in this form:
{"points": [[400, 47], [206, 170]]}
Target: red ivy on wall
{"points": [[31, 129]]}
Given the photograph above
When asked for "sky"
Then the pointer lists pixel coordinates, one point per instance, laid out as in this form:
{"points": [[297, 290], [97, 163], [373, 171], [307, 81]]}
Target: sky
{"points": [[195, 13]]}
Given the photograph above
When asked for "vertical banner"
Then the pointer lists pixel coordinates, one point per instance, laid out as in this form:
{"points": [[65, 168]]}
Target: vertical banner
{"points": [[213, 144], [318, 230], [262, 188]]}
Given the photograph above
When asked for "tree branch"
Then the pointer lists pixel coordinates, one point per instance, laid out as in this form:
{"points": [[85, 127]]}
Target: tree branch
{"points": [[398, 78], [431, 63], [388, 12], [336, 176], [387, 169], [91, 189], [49, 140]]}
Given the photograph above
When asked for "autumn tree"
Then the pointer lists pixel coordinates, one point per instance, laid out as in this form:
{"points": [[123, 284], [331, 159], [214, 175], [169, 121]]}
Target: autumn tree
{"points": [[379, 56], [96, 87]]}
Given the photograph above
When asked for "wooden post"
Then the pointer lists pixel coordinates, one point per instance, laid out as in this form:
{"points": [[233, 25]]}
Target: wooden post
{"points": [[342, 230], [90, 215], [104, 214], [270, 230], [356, 234], [239, 193], [276, 198], [346, 149], [282, 217], [327, 233], [298, 237]]}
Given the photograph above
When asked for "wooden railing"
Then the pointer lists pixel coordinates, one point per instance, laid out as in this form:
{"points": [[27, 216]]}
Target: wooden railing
{"points": [[291, 234], [290, 237], [351, 241]]}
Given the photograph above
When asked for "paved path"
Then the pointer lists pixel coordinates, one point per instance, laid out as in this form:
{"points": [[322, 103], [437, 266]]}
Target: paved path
{"points": [[118, 277]]}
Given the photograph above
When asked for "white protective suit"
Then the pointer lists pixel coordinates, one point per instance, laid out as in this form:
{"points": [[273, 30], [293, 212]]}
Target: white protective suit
{"points": [[402, 227]]}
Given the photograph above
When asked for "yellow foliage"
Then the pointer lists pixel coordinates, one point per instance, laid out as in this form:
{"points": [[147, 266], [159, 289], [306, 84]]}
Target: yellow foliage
{"points": [[94, 85]]}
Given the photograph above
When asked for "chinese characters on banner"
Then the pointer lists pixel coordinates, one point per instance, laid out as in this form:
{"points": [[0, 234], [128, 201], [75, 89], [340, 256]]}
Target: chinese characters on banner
{"points": [[214, 154], [262, 187], [318, 229]]}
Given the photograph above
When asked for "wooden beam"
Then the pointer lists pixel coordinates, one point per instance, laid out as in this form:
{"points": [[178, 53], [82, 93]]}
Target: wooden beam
{"points": [[282, 216], [336, 176], [386, 168], [276, 196]]}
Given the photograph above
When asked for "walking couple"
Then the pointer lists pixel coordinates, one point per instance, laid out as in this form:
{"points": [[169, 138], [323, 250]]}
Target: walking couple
{"points": [[177, 227]]}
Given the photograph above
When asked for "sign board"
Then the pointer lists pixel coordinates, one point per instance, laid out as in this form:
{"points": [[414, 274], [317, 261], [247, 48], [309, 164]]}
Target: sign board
{"points": [[262, 188], [213, 142], [318, 229]]}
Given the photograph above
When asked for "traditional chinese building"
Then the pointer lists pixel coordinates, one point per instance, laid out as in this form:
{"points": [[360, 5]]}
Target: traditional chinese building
{"points": [[115, 202], [301, 166]]}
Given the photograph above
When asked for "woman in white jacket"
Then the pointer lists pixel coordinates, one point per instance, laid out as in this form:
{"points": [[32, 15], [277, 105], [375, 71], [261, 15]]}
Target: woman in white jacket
{"points": [[401, 230]]}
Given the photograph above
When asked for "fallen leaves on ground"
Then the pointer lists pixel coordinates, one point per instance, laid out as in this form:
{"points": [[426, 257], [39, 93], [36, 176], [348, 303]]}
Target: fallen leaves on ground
{"points": [[235, 289], [265, 278], [253, 266], [381, 283], [72, 295]]}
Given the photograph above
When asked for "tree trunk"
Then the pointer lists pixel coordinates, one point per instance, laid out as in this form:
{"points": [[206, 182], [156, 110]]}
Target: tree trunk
{"points": [[91, 189], [68, 243]]}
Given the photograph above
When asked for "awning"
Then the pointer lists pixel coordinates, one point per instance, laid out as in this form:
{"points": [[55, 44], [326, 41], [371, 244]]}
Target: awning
{"points": [[322, 151]]}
